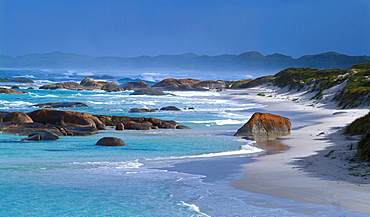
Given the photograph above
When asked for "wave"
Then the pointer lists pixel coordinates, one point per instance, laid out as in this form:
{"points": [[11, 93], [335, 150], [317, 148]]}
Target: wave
{"points": [[193, 208], [15, 104], [106, 164], [25, 76], [43, 96]]}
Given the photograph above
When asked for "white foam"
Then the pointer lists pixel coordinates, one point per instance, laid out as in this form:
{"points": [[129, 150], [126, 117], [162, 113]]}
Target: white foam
{"points": [[25, 76], [193, 207], [43, 96], [15, 104], [106, 164], [85, 73]]}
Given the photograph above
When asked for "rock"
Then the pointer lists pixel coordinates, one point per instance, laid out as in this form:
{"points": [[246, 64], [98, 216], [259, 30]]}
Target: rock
{"points": [[120, 126], [110, 86], [265, 125], [25, 129], [132, 125], [88, 82], [114, 120], [4, 80], [65, 85], [137, 110], [14, 87], [10, 91], [41, 135], [15, 117], [148, 91], [182, 127], [21, 80], [170, 108], [131, 86], [66, 118], [61, 105], [111, 141], [179, 84]]}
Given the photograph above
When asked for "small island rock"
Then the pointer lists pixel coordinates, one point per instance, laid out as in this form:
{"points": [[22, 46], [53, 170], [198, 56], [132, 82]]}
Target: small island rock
{"points": [[111, 141]]}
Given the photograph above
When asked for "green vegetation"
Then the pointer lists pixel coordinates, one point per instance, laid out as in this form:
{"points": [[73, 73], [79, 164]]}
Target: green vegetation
{"points": [[361, 126], [247, 83], [239, 84], [363, 148]]}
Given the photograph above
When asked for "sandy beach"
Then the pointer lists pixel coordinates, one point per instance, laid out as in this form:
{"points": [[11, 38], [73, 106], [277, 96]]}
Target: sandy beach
{"points": [[317, 168]]}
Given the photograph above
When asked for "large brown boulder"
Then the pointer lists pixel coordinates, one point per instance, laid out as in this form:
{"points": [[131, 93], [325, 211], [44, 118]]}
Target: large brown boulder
{"points": [[132, 125], [132, 86], [15, 117], [110, 141], [88, 82], [265, 125], [110, 86], [66, 118]]}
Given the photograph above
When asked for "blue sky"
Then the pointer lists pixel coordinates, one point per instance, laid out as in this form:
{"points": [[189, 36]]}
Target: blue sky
{"points": [[130, 28]]}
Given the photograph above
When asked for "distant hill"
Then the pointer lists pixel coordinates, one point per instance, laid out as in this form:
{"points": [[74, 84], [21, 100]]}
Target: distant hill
{"points": [[245, 61]]}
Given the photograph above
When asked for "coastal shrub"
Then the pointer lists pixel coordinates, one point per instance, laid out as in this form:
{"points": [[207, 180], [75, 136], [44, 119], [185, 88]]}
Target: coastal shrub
{"points": [[359, 126], [363, 148], [239, 83], [259, 81]]}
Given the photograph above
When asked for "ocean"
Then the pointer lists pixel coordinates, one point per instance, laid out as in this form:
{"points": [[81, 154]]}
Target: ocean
{"points": [[161, 172]]}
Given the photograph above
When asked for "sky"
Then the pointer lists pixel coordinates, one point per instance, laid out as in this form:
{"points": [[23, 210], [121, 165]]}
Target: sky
{"points": [[131, 28]]}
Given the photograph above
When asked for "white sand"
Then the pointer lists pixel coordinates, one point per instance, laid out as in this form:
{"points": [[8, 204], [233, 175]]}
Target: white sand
{"points": [[307, 172]]}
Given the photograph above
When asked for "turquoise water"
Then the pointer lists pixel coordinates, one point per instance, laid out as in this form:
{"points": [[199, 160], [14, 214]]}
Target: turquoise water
{"points": [[74, 177]]}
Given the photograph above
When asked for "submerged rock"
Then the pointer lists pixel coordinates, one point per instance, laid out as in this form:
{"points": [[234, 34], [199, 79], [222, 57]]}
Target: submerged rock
{"points": [[41, 135], [111, 141], [10, 91], [148, 91], [265, 125], [170, 108], [21, 80], [61, 105]]}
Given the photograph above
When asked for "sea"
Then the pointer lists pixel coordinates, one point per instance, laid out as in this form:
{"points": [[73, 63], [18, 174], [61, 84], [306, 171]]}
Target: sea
{"points": [[162, 172]]}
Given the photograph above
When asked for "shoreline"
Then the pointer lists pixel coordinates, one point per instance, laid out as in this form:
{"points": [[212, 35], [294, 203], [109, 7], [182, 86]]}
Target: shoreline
{"points": [[316, 168]]}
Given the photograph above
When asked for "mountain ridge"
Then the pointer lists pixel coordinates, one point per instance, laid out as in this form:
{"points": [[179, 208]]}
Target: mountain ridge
{"points": [[251, 60]]}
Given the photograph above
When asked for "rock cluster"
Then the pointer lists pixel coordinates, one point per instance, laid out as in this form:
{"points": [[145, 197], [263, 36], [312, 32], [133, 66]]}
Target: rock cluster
{"points": [[70, 123]]}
